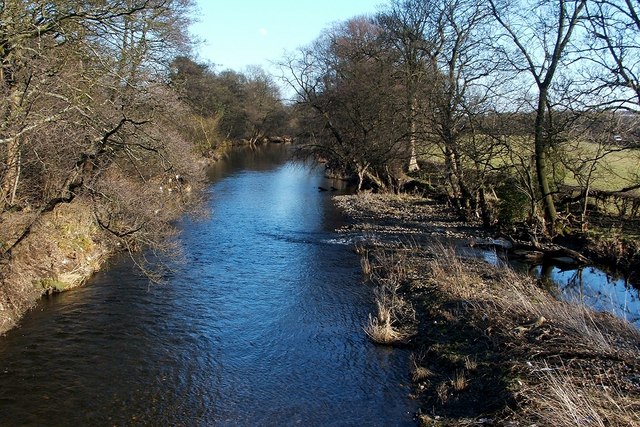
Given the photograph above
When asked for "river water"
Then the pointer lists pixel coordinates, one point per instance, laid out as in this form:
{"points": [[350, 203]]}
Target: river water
{"points": [[261, 324]]}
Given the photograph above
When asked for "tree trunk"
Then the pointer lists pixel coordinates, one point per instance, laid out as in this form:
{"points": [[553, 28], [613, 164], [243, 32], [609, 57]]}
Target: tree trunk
{"points": [[450, 165], [11, 177], [540, 145], [485, 211], [361, 172], [585, 205], [413, 129]]}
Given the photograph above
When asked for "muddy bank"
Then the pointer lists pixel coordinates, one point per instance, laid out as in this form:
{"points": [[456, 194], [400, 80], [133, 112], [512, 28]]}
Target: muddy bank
{"points": [[491, 347]]}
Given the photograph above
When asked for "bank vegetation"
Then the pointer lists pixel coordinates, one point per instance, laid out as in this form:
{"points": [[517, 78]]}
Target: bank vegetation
{"points": [[521, 113], [106, 125], [516, 119], [489, 346]]}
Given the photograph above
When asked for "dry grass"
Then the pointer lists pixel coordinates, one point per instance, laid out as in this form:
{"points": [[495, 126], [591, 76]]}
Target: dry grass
{"points": [[503, 295], [419, 372], [387, 272], [391, 310], [383, 332], [365, 262], [568, 404], [495, 344], [520, 316], [443, 391], [459, 381], [470, 363], [451, 274]]}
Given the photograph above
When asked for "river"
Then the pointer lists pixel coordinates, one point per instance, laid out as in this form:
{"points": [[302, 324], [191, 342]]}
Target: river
{"points": [[259, 324]]}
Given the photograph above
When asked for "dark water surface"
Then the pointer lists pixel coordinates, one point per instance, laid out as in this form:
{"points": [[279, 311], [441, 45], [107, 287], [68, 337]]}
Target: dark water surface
{"points": [[262, 325]]}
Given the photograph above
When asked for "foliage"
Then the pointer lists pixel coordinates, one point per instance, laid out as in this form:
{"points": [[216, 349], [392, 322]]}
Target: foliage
{"points": [[228, 105], [514, 202]]}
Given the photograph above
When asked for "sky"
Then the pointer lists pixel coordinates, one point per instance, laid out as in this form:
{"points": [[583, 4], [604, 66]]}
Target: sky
{"points": [[240, 33]]}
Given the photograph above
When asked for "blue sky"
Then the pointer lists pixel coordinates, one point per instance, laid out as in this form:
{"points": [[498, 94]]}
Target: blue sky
{"points": [[239, 33]]}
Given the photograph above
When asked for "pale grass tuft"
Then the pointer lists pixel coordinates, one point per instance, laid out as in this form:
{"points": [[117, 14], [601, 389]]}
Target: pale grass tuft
{"points": [[459, 382], [389, 308], [419, 372], [387, 272], [365, 263], [470, 363], [442, 391], [382, 332]]}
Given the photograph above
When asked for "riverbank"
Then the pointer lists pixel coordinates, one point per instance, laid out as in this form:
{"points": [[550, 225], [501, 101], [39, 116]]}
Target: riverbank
{"points": [[62, 250], [50, 251], [491, 347], [58, 248], [258, 323]]}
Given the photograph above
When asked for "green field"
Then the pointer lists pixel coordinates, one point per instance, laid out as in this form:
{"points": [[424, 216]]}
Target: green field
{"points": [[615, 171]]}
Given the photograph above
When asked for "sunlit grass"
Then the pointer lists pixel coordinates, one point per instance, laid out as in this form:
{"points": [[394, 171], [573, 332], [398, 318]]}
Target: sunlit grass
{"points": [[617, 170]]}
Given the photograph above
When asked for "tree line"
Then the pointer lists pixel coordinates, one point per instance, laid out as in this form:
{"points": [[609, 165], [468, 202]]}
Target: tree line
{"points": [[229, 105], [101, 101], [495, 101]]}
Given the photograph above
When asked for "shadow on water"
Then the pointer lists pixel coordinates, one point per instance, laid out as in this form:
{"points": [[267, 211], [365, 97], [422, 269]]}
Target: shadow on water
{"points": [[260, 325]]}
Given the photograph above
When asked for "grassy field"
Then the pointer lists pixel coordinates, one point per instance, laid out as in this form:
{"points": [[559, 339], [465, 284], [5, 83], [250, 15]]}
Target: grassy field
{"points": [[615, 171]]}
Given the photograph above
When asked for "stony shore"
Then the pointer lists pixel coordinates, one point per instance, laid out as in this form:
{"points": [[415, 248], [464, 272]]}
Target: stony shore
{"points": [[490, 346]]}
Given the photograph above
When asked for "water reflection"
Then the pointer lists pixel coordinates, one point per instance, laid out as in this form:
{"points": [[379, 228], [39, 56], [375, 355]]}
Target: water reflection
{"points": [[587, 285], [596, 289]]}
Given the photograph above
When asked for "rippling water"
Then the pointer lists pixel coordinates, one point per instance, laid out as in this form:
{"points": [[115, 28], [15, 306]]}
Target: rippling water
{"points": [[261, 325]]}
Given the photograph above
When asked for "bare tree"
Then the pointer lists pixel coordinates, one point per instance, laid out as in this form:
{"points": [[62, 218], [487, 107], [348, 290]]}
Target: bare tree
{"points": [[264, 110], [85, 99], [537, 37], [408, 29], [614, 48], [442, 46], [592, 142], [349, 83]]}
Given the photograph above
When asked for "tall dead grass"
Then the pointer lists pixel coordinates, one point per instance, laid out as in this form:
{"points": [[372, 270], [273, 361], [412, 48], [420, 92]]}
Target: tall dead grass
{"points": [[568, 404], [387, 271], [516, 300], [529, 321]]}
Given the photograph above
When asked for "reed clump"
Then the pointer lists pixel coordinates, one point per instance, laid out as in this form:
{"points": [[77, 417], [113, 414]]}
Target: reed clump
{"points": [[394, 315]]}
